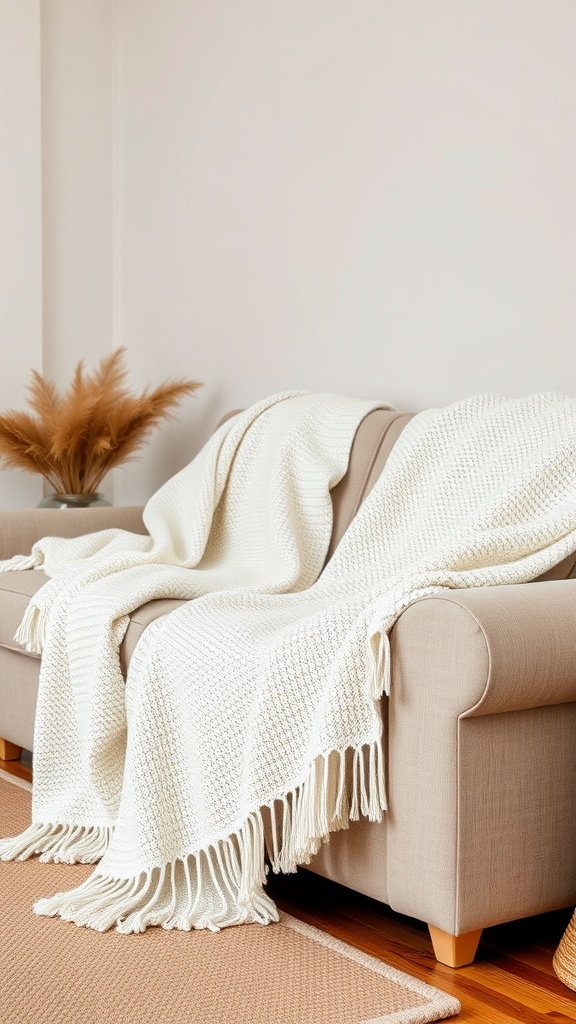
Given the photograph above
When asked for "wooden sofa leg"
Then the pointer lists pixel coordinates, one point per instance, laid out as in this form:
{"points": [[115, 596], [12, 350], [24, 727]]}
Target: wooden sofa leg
{"points": [[454, 950], [9, 751]]}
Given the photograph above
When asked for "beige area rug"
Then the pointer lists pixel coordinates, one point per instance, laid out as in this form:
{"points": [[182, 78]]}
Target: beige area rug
{"points": [[52, 972]]}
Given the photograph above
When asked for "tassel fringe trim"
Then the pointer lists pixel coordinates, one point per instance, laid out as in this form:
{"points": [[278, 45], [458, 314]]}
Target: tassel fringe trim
{"points": [[31, 632], [379, 655], [216, 888], [58, 844], [18, 562], [223, 884]]}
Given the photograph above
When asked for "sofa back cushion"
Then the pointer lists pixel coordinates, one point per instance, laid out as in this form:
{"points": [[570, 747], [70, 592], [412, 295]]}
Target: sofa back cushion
{"points": [[372, 444], [565, 570]]}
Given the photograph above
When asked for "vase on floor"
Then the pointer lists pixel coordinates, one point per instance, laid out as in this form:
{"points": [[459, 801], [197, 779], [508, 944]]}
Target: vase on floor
{"points": [[73, 500]]}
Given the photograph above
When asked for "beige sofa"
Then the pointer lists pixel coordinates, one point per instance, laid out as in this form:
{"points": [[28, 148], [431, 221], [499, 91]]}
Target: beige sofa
{"points": [[481, 728]]}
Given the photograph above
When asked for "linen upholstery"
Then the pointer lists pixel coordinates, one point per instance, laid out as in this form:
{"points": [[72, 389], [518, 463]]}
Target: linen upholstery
{"points": [[371, 447], [18, 693], [481, 774], [565, 570], [21, 528]]}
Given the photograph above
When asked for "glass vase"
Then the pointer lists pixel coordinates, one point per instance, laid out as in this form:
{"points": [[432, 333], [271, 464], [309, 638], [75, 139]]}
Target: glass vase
{"points": [[73, 500]]}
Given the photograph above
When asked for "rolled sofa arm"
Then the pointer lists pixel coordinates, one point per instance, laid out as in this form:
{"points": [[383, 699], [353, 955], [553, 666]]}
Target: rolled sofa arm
{"points": [[481, 721], [21, 528], [488, 650]]}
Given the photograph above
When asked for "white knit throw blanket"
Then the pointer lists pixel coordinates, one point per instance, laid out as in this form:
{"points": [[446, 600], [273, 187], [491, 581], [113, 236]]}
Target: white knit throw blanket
{"points": [[249, 726]]}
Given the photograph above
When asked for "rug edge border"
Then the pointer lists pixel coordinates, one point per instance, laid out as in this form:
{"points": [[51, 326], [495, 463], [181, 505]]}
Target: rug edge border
{"points": [[437, 998], [15, 780]]}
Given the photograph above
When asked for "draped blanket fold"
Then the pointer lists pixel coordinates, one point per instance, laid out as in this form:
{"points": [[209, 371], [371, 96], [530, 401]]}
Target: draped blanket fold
{"points": [[249, 725]]}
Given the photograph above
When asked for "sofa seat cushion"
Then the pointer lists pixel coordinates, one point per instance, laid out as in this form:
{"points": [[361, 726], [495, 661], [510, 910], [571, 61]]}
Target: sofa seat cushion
{"points": [[16, 589]]}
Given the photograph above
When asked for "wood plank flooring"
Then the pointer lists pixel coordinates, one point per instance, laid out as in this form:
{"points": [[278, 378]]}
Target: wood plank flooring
{"points": [[511, 980], [22, 768]]}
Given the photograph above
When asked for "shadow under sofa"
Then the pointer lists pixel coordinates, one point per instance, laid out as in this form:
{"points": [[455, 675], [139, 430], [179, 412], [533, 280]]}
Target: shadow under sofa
{"points": [[479, 728]]}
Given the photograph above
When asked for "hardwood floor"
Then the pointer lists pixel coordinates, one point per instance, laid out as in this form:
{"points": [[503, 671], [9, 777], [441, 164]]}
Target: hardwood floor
{"points": [[22, 768], [511, 980]]}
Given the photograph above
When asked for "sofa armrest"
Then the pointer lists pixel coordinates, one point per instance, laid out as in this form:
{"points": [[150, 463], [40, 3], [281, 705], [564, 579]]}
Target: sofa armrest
{"points": [[481, 721], [493, 649], [21, 528]]}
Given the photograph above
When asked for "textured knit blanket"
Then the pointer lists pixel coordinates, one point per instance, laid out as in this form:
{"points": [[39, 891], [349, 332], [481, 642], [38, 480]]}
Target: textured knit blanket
{"points": [[249, 726]]}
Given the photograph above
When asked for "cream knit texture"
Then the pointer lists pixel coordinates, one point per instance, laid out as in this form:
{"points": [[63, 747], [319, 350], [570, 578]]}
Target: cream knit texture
{"points": [[250, 725]]}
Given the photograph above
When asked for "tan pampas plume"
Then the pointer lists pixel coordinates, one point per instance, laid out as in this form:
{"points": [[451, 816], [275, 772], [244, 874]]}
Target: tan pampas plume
{"points": [[73, 440]]}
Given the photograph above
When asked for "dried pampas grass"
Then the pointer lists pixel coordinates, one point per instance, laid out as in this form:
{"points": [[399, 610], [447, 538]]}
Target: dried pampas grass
{"points": [[75, 439]]}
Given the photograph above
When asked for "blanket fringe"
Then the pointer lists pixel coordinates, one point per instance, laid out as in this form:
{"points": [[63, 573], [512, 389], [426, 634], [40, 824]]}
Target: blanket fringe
{"points": [[223, 884], [379, 653], [213, 889], [31, 632], [18, 562], [58, 844]]}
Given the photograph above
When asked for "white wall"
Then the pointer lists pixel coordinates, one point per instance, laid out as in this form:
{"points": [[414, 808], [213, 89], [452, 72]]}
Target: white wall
{"points": [[77, 176], [375, 198], [371, 197], [56, 199], [78, 117], [20, 221]]}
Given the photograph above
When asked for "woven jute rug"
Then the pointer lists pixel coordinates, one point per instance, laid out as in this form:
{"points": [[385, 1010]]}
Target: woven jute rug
{"points": [[52, 972]]}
